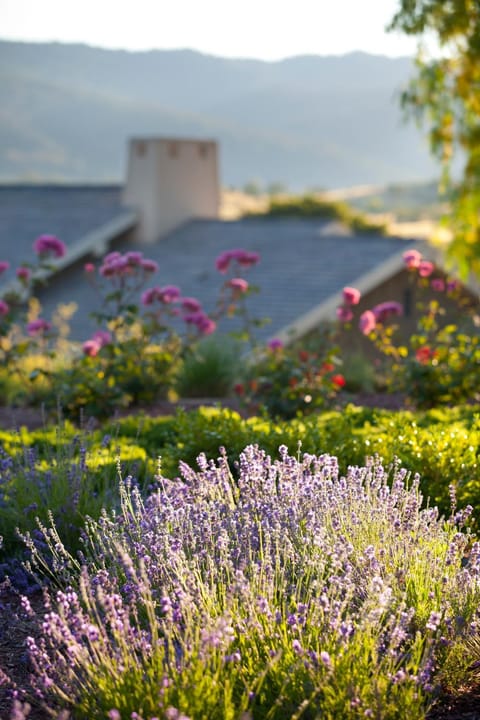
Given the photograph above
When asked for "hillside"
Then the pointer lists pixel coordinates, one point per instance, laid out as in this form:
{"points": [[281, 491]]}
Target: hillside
{"points": [[307, 121]]}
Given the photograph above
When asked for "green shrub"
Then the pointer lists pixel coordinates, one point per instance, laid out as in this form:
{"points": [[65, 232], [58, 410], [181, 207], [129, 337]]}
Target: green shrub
{"points": [[61, 474], [442, 446], [309, 206], [209, 370]]}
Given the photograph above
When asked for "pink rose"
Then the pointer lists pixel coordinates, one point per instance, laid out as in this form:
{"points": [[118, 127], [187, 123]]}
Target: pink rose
{"points": [[49, 245], [426, 268], [412, 259], [91, 348], [191, 304], [351, 296], [344, 314], [387, 309], [367, 322], [238, 284], [38, 326]]}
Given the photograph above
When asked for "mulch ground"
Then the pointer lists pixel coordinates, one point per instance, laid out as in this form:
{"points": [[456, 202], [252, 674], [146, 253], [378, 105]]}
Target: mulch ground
{"points": [[34, 418]]}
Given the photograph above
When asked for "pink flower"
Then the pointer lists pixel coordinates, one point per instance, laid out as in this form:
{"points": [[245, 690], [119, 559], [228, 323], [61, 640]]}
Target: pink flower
{"points": [[169, 294], [238, 285], [344, 314], [134, 257], [102, 337], [275, 344], [367, 322], [89, 267], [4, 265], [23, 274], [223, 261], [91, 348], [4, 308], [191, 304], [204, 324], [110, 257], [438, 284], [351, 296], [38, 326], [244, 258], [426, 268], [412, 259], [149, 296], [149, 266], [49, 245], [387, 309], [207, 326], [114, 264]]}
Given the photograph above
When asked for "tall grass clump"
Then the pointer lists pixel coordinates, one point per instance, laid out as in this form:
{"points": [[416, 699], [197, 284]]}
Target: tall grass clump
{"points": [[290, 592]]}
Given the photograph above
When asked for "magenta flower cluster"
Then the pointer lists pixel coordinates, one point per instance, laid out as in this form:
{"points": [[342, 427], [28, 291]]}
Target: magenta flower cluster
{"points": [[425, 269], [99, 339], [369, 319], [49, 245], [244, 259], [117, 265], [38, 326]]}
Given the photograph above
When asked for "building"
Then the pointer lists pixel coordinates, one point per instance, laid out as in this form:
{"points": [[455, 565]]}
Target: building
{"points": [[169, 209]]}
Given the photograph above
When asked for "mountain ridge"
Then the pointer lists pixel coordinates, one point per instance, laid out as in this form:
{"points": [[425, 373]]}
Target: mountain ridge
{"points": [[305, 121]]}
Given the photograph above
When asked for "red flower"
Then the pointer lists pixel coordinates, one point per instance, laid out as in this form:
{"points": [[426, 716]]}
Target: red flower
{"points": [[339, 381], [328, 367], [424, 354], [303, 356], [239, 389]]}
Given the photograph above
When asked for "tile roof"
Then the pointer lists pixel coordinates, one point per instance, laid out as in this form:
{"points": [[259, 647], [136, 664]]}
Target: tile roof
{"points": [[67, 211], [303, 263]]}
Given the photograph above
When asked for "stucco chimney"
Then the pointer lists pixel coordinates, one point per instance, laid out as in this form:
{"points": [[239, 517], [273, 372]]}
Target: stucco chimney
{"points": [[170, 181]]}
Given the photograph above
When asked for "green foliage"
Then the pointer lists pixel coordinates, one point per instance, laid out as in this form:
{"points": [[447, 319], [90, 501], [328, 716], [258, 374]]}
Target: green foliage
{"points": [[440, 363], [209, 370], [61, 474], [360, 373], [309, 206], [442, 445], [446, 91], [285, 382], [120, 375]]}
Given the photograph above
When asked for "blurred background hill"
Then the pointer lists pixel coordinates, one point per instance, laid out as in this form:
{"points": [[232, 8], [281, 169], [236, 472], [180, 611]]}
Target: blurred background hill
{"points": [[310, 122]]}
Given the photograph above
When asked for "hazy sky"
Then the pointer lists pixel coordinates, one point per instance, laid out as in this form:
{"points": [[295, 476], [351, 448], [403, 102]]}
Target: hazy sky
{"points": [[265, 29]]}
